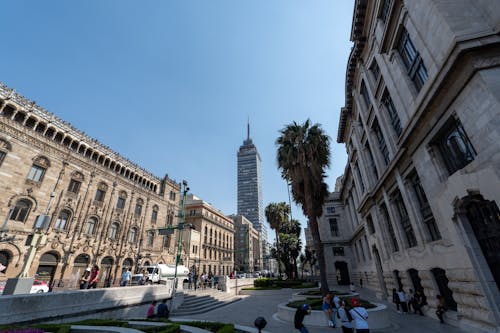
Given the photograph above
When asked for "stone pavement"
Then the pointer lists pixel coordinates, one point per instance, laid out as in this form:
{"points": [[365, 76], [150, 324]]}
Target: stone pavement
{"points": [[265, 304]]}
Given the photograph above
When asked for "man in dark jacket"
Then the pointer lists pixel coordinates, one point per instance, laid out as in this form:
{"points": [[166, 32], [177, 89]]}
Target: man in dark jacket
{"points": [[299, 317], [162, 311]]}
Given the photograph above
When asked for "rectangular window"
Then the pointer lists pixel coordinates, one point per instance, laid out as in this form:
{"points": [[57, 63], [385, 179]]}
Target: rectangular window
{"points": [[36, 173], [120, 204], [404, 220], [390, 229], [364, 93], [369, 223], [381, 142], [2, 156], [393, 114], [338, 251], [372, 160], [358, 173], [330, 210], [455, 147], [154, 216], [138, 210], [412, 60], [99, 195], [172, 195], [425, 208], [74, 186], [334, 227], [375, 70], [384, 11]]}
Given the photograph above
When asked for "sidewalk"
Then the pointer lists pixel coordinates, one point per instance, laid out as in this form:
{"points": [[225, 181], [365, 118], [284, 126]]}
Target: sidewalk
{"points": [[265, 304]]}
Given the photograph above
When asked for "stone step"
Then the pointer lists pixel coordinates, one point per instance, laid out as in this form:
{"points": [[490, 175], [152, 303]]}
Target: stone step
{"points": [[212, 306]]}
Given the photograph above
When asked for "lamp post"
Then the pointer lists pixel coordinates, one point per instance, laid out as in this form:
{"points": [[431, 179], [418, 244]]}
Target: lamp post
{"points": [[180, 225]]}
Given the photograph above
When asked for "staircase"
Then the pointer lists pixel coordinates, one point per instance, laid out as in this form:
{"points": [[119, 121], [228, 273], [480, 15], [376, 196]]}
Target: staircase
{"points": [[202, 301]]}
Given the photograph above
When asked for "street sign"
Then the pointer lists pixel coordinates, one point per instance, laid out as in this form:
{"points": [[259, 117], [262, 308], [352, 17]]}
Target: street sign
{"points": [[164, 232]]}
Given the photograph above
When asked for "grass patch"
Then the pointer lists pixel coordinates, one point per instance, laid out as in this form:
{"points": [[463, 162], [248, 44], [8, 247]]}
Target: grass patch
{"points": [[316, 303], [102, 322], [215, 327], [305, 285]]}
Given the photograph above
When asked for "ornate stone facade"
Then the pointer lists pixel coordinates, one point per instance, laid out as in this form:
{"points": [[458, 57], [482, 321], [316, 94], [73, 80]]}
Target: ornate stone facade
{"points": [[96, 207], [247, 244], [421, 189]]}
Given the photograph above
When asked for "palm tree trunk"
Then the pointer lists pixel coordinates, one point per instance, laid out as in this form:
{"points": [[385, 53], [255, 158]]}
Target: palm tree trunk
{"points": [[318, 245], [278, 252]]}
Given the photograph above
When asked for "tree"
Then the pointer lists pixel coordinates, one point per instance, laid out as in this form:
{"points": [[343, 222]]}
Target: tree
{"points": [[276, 215], [303, 155]]}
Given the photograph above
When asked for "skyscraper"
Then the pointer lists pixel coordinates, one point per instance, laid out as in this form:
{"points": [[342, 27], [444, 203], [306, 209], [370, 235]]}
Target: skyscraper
{"points": [[250, 188]]}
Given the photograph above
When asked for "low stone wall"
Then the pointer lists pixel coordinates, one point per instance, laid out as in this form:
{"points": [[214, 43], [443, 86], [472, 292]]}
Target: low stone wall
{"points": [[378, 318], [298, 296], [67, 306], [233, 286]]}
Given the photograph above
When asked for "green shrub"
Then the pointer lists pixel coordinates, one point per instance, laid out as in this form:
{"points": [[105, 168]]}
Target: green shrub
{"points": [[287, 283], [228, 328], [215, 327], [263, 282], [56, 328], [172, 328], [102, 322]]}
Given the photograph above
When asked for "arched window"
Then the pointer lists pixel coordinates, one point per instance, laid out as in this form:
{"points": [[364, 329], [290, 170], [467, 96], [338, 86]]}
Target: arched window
{"points": [[21, 210], [76, 182], [4, 148], [90, 226], [38, 169], [113, 230], [442, 284], [150, 239], [154, 214], [5, 259], [133, 235], [138, 207], [122, 198], [62, 219], [101, 192]]}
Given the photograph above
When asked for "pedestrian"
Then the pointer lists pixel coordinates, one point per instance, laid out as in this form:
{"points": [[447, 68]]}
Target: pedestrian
{"points": [[441, 308], [150, 313], [195, 280], [84, 280], [335, 301], [215, 281], [361, 283], [162, 310], [298, 320], [145, 277], [126, 276], [327, 309], [352, 287], [420, 301], [190, 280], [109, 281], [94, 277], [345, 318], [395, 299], [360, 316], [402, 300], [411, 301]]}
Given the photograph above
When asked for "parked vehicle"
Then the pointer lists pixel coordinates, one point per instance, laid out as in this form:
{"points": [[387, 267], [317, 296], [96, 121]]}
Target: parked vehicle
{"points": [[39, 286], [159, 273]]}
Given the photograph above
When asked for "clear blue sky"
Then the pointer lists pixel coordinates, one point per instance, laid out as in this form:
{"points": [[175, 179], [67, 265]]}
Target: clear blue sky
{"points": [[170, 84]]}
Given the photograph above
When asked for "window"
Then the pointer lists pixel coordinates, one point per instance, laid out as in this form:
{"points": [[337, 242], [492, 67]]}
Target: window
{"points": [[365, 95], [375, 70], [404, 220], [166, 242], [381, 142], [454, 146], [150, 238], [412, 60], [392, 236], [99, 195], [338, 251], [170, 218], [154, 214], [334, 227], [2, 156], [330, 210], [74, 186], [442, 283], [113, 230], [172, 195], [36, 173], [132, 236], [138, 209], [89, 226], [424, 207], [120, 204], [393, 114], [62, 220], [369, 223], [373, 166], [21, 210], [384, 11], [358, 173]]}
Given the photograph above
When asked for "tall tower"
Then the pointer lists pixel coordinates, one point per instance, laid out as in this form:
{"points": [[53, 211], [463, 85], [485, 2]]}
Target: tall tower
{"points": [[250, 189]]}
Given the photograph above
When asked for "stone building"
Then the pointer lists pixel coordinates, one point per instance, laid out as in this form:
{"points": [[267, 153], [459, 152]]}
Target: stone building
{"points": [[216, 237], [247, 245], [70, 202], [421, 126]]}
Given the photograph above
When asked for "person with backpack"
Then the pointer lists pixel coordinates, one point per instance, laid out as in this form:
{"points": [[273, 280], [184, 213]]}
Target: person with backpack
{"points": [[298, 321], [360, 316], [345, 318], [335, 302], [162, 310]]}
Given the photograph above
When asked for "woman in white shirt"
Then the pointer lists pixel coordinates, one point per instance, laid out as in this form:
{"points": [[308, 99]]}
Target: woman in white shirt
{"points": [[345, 318], [360, 317]]}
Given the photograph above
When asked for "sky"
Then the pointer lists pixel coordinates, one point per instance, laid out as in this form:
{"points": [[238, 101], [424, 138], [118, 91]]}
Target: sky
{"points": [[170, 85]]}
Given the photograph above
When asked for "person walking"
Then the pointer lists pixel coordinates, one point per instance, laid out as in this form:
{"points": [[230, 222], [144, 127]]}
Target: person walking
{"points": [[84, 280], [190, 280], [150, 313], [345, 318], [94, 277], [327, 309], [335, 302], [395, 299], [420, 301], [411, 301], [402, 300], [125, 279], [360, 316], [298, 319], [441, 308]]}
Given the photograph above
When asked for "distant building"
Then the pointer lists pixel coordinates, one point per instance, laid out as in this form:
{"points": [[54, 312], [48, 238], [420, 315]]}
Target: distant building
{"points": [[93, 205], [216, 237], [250, 188], [247, 245], [421, 189], [309, 240]]}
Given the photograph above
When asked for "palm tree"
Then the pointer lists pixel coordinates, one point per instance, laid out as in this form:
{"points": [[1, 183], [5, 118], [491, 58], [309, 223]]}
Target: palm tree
{"points": [[303, 154], [277, 215]]}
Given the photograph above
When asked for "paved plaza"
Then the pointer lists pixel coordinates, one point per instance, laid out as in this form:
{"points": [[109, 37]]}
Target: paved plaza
{"points": [[264, 303]]}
